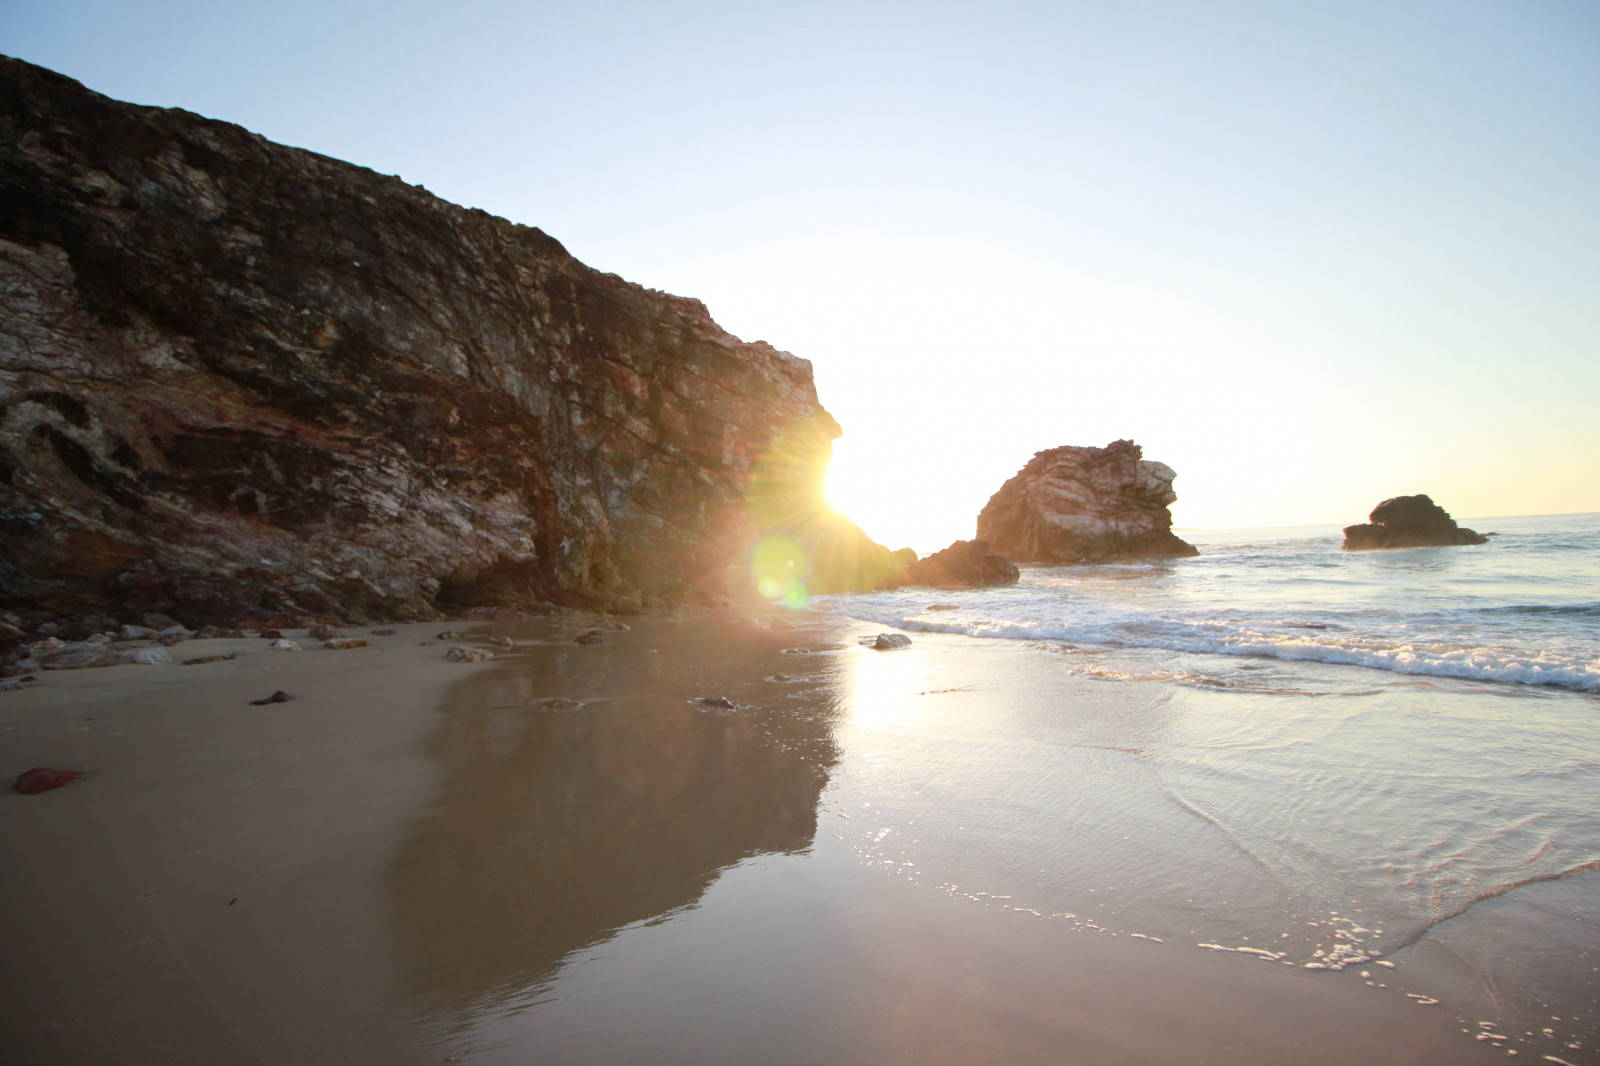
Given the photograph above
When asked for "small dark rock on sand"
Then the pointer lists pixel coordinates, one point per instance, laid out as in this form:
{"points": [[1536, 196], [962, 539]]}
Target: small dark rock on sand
{"points": [[720, 702], [271, 634], [383, 632], [888, 641], [279, 696], [594, 636], [325, 632], [558, 703], [209, 659], [42, 779]]}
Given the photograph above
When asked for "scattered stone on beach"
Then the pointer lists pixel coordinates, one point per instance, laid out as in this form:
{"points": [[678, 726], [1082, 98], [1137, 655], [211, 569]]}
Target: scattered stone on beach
{"points": [[593, 636], [964, 564], [157, 656], [325, 632], [1409, 522], [1085, 505], [450, 634], [75, 656], [11, 684], [136, 633], [210, 659], [279, 696], [558, 703], [887, 641], [781, 677], [173, 635], [383, 632], [344, 643], [719, 702], [498, 642], [46, 646], [271, 634], [460, 653], [43, 779], [284, 645]]}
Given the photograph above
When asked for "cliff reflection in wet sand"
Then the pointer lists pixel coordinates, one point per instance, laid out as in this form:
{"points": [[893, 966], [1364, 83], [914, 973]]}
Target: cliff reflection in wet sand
{"points": [[555, 827]]}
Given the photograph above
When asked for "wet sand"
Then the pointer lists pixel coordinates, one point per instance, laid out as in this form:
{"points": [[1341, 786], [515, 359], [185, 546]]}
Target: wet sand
{"points": [[416, 859]]}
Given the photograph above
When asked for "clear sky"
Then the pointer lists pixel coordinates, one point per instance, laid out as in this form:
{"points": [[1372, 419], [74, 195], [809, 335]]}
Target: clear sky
{"points": [[1310, 254]]}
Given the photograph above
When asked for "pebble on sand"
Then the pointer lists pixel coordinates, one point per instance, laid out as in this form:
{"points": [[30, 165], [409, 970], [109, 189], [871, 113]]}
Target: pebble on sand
{"points": [[43, 779]]}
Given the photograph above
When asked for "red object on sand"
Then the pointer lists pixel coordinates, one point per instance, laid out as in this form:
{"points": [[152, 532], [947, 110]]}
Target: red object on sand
{"points": [[42, 779]]}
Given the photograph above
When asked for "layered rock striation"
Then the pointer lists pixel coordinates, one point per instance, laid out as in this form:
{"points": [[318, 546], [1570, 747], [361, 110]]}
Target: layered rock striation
{"points": [[1408, 522], [1084, 505], [242, 380]]}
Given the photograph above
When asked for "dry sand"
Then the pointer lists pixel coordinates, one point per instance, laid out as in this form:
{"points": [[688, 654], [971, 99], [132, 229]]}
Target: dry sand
{"points": [[414, 859]]}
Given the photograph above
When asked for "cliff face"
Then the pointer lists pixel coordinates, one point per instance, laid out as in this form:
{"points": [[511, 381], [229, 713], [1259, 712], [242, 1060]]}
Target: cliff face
{"points": [[239, 379], [1085, 505]]}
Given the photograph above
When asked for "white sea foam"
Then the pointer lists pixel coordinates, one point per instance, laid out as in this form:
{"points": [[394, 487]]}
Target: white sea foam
{"points": [[1524, 609]]}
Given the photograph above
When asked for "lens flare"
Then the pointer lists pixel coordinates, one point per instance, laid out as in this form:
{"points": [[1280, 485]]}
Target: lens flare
{"points": [[779, 566]]}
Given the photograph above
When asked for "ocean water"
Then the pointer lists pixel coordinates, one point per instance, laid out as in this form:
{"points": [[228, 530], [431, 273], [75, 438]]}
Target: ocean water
{"points": [[1275, 803], [1524, 608], [1323, 760]]}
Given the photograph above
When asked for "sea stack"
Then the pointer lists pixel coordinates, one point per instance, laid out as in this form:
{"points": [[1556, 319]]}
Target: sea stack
{"points": [[1085, 505], [1408, 522], [242, 381]]}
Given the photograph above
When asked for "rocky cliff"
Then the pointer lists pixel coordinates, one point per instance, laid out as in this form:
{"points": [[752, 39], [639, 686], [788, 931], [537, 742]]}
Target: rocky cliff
{"points": [[1408, 522], [1084, 505], [242, 380]]}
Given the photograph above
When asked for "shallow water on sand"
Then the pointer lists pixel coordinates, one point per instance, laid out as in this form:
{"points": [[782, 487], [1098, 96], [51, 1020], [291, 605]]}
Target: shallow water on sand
{"points": [[977, 850]]}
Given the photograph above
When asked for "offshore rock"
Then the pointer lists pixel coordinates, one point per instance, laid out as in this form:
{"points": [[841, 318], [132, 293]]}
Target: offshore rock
{"points": [[242, 381], [1408, 522], [1085, 505], [965, 564]]}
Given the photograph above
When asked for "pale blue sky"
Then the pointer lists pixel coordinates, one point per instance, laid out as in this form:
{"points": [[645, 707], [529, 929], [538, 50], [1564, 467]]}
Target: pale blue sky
{"points": [[1309, 254]]}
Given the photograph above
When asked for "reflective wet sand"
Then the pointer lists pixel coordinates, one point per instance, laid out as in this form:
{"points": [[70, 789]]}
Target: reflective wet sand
{"points": [[957, 852], [961, 851]]}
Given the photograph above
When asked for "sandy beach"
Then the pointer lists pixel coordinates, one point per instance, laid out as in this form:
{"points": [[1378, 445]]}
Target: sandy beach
{"points": [[558, 856]]}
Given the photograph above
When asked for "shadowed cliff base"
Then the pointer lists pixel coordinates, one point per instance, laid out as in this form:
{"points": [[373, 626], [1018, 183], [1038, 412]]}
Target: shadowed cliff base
{"points": [[245, 382]]}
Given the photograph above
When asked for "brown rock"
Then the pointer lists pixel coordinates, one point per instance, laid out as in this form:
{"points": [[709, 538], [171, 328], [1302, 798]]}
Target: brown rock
{"points": [[965, 564], [296, 360], [324, 632], [345, 643], [41, 779], [1409, 522], [209, 659], [1085, 505], [593, 636], [460, 653]]}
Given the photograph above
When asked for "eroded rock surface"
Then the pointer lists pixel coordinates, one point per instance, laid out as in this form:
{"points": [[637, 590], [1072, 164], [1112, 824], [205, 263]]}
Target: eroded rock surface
{"points": [[1085, 505], [1408, 522], [242, 381]]}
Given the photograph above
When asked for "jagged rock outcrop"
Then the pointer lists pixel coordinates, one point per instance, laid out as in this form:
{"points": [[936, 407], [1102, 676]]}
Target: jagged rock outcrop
{"points": [[1408, 522], [965, 564], [1084, 505], [240, 380]]}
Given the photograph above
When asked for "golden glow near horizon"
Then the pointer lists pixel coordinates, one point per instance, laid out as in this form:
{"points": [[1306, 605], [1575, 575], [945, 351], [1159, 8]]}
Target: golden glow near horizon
{"points": [[1310, 256]]}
